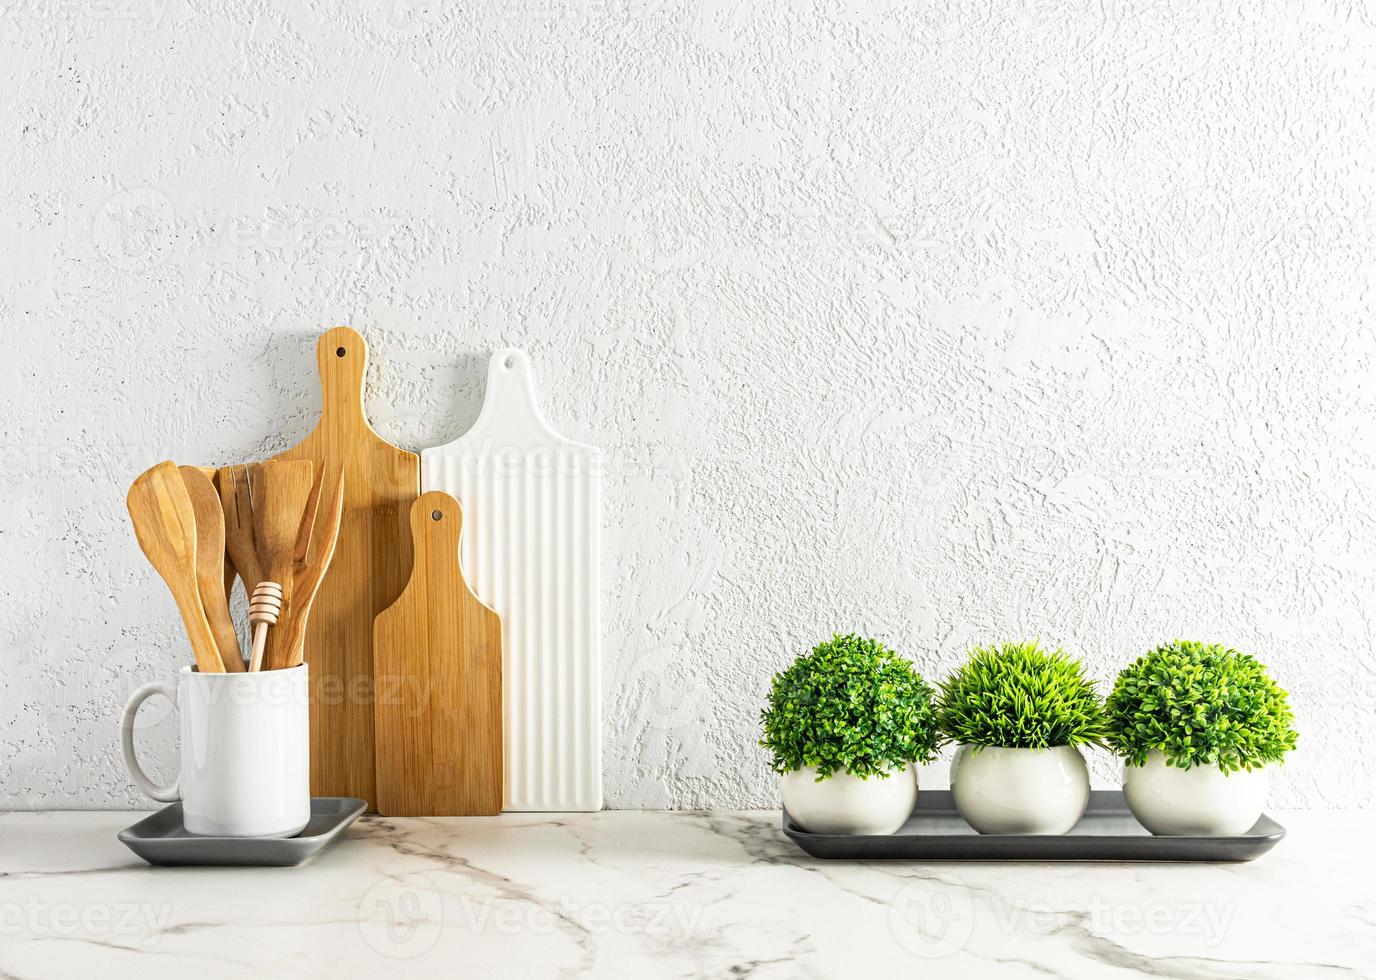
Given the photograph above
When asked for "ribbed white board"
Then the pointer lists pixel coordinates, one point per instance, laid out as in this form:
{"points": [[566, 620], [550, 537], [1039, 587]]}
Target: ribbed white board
{"points": [[531, 550]]}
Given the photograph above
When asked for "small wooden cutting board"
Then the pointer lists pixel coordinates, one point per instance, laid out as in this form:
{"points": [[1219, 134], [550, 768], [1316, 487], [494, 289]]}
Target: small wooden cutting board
{"points": [[438, 668], [371, 562]]}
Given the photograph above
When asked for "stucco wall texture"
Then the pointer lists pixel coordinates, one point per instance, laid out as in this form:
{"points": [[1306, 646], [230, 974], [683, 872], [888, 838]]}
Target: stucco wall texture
{"points": [[946, 323]]}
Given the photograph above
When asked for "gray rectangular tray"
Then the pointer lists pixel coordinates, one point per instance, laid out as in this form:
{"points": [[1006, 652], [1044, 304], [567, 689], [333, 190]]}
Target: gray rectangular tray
{"points": [[1107, 832], [161, 838]]}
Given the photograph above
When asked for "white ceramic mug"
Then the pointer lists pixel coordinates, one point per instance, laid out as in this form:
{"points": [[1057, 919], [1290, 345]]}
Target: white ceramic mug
{"points": [[245, 749]]}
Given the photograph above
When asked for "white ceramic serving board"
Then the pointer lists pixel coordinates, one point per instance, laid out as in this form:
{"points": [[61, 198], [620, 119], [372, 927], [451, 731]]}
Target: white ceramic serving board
{"points": [[531, 550]]}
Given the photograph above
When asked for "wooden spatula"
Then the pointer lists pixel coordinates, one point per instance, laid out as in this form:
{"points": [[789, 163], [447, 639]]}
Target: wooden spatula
{"points": [[165, 524], [210, 564], [213, 475], [439, 682], [315, 545]]}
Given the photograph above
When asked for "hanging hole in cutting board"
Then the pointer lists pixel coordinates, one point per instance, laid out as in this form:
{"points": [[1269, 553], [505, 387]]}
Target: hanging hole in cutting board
{"points": [[339, 352], [509, 363], [435, 515]]}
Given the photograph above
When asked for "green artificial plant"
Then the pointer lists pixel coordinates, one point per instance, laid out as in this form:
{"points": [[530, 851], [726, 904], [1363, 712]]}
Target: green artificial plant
{"points": [[851, 705], [1199, 704], [1019, 696]]}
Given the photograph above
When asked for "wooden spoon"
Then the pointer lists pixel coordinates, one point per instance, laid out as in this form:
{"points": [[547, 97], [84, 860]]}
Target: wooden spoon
{"points": [[210, 564], [279, 492], [315, 545], [165, 524]]}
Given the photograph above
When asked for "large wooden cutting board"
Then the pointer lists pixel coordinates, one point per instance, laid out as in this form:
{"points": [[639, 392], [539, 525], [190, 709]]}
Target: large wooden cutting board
{"points": [[371, 563], [533, 503], [438, 666]]}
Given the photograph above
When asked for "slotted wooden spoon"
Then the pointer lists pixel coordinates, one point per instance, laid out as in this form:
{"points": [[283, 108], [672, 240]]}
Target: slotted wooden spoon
{"points": [[315, 544], [238, 511], [280, 492], [165, 524]]}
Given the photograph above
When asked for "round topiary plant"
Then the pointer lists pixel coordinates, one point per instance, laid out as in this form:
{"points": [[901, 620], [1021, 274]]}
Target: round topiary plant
{"points": [[1199, 705], [1018, 696], [851, 705]]}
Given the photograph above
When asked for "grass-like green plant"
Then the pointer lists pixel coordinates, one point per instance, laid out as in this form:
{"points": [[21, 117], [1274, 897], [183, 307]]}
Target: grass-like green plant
{"points": [[1019, 696], [849, 705], [1199, 704]]}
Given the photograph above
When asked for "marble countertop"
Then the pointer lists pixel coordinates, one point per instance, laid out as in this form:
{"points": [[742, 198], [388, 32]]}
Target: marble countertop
{"points": [[672, 894]]}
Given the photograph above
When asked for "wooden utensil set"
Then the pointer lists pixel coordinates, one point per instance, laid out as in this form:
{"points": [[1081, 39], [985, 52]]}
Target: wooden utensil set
{"points": [[200, 528], [407, 705]]}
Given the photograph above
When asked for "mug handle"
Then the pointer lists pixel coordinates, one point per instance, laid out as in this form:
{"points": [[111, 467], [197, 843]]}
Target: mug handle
{"points": [[163, 794]]}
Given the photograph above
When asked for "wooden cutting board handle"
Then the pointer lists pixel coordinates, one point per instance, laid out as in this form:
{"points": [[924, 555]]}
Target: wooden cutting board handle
{"points": [[341, 354], [438, 672], [372, 558]]}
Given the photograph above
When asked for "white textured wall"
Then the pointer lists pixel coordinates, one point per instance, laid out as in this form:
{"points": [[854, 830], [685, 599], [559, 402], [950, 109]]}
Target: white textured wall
{"points": [[950, 323]]}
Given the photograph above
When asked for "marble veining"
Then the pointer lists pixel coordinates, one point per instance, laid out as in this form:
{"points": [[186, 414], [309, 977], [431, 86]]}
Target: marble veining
{"points": [[694, 894]]}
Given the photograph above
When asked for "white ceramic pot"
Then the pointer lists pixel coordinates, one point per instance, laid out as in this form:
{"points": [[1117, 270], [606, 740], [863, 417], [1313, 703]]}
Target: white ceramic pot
{"points": [[1197, 802], [846, 804], [1020, 791]]}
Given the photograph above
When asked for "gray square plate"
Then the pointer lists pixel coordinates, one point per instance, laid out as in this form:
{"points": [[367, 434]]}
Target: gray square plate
{"points": [[1107, 832], [162, 840]]}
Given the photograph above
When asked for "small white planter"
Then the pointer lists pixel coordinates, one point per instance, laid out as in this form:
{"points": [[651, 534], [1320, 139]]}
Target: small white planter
{"points": [[1197, 802], [846, 804], [1020, 791]]}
